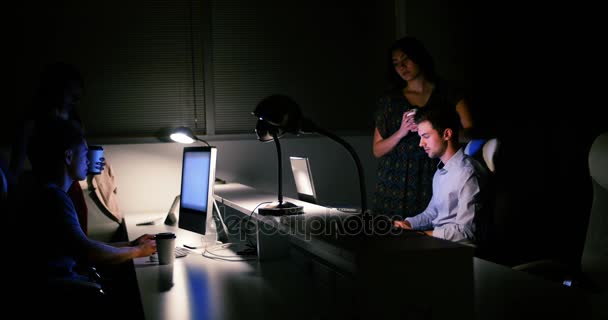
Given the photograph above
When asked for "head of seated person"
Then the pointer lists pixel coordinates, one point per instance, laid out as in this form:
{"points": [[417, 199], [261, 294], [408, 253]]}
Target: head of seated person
{"points": [[58, 152]]}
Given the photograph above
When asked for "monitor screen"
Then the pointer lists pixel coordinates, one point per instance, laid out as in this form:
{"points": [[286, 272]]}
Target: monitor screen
{"points": [[196, 195], [303, 178]]}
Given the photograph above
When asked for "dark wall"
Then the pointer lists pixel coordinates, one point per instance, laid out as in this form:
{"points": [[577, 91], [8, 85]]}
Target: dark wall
{"points": [[533, 83]]}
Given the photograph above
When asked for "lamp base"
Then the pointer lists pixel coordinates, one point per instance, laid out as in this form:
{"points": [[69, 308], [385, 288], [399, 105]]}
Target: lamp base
{"points": [[280, 209]]}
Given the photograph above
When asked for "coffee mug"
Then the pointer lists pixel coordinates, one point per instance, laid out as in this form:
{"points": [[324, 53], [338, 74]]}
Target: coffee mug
{"points": [[165, 247], [95, 155]]}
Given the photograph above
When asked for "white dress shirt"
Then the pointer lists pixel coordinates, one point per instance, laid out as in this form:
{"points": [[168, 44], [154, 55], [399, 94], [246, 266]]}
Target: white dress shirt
{"points": [[456, 198]]}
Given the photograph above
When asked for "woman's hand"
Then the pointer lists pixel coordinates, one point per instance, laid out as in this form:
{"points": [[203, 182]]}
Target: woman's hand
{"points": [[407, 124], [383, 145], [101, 164]]}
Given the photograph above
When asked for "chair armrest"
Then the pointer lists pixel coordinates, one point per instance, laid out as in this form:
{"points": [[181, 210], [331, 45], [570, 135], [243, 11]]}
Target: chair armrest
{"points": [[552, 270], [75, 286]]}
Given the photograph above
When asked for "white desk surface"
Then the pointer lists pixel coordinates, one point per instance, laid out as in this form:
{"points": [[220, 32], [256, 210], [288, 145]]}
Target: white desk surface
{"points": [[196, 287]]}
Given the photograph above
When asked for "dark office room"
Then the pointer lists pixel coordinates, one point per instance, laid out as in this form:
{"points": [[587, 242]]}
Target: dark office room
{"points": [[298, 191]]}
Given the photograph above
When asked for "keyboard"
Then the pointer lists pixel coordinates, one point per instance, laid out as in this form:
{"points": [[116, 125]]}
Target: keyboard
{"points": [[181, 252]]}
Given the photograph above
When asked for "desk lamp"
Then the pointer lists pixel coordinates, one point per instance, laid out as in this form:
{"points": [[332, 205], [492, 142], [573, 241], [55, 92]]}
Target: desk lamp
{"points": [[271, 126], [185, 135], [278, 114]]}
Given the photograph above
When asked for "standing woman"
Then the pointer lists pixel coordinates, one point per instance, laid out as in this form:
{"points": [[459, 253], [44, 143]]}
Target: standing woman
{"points": [[405, 173]]}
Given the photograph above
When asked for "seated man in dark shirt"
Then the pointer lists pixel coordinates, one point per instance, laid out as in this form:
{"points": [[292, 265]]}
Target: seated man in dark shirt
{"points": [[58, 152]]}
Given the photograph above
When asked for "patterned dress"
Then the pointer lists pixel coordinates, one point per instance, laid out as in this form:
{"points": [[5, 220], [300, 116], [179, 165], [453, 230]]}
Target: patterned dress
{"points": [[405, 174]]}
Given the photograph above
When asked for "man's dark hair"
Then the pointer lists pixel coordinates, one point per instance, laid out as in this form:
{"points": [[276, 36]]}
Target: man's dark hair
{"points": [[440, 119], [48, 144]]}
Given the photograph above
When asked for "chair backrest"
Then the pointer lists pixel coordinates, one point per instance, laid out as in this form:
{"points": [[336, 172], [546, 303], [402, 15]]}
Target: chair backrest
{"points": [[489, 150], [473, 147], [3, 185], [595, 253], [485, 219]]}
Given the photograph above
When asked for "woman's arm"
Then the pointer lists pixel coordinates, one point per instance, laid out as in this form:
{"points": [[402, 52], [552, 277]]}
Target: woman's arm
{"points": [[466, 120], [383, 146]]}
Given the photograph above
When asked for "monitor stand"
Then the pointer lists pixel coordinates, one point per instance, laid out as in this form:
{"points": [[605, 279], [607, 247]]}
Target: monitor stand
{"points": [[205, 242], [212, 235], [194, 246], [171, 218]]}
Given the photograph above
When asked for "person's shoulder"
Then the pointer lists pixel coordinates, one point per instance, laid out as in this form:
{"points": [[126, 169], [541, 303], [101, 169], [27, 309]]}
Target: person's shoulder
{"points": [[450, 90], [472, 166], [390, 95], [52, 194], [467, 163]]}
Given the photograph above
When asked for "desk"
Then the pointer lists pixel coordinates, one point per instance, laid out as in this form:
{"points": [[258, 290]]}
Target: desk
{"points": [[196, 287], [282, 288]]}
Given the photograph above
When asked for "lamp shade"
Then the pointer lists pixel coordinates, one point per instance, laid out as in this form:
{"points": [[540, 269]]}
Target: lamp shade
{"points": [[279, 111], [183, 135], [265, 131]]}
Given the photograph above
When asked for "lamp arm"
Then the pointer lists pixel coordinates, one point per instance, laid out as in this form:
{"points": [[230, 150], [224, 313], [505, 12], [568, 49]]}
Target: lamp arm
{"points": [[355, 157], [278, 145], [201, 140]]}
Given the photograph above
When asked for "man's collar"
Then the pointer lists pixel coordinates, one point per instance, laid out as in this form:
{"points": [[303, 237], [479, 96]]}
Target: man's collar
{"points": [[453, 159]]}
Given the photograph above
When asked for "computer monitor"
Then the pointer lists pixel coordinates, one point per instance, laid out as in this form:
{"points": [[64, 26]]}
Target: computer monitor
{"points": [[303, 178], [196, 194]]}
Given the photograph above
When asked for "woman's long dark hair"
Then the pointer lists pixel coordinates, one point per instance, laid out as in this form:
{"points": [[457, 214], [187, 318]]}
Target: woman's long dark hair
{"points": [[416, 51]]}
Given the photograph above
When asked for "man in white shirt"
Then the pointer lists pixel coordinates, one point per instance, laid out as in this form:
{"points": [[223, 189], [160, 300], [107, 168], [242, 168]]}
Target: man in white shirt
{"points": [[457, 183]]}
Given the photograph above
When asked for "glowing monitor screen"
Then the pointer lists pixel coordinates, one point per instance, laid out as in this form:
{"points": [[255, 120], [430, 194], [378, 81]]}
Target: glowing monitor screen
{"points": [[196, 196], [303, 178]]}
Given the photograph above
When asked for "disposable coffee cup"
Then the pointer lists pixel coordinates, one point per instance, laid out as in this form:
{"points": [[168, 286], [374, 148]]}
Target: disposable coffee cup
{"points": [[165, 247], [94, 155]]}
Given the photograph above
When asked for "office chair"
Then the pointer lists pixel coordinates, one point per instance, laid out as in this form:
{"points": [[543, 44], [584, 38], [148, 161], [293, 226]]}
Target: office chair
{"points": [[488, 151], [69, 298], [3, 185], [485, 219], [593, 274], [3, 191], [474, 146]]}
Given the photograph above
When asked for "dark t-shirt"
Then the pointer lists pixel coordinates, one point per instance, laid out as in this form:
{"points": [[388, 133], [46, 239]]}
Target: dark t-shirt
{"points": [[57, 224]]}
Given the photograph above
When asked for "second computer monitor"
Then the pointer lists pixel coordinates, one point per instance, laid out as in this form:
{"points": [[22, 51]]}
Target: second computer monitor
{"points": [[303, 178], [196, 196]]}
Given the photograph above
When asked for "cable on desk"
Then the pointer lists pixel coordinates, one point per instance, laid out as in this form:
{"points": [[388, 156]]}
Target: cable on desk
{"points": [[247, 220], [211, 255], [219, 214], [259, 204]]}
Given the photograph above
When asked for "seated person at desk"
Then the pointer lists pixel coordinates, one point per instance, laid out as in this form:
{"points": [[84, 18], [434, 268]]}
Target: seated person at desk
{"points": [[58, 152], [457, 183]]}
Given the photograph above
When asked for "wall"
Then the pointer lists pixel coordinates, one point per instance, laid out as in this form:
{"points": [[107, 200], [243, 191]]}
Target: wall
{"points": [[446, 29], [148, 175]]}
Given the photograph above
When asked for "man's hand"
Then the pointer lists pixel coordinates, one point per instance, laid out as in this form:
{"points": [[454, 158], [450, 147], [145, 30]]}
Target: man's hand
{"points": [[402, 224], [142, 239]]}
